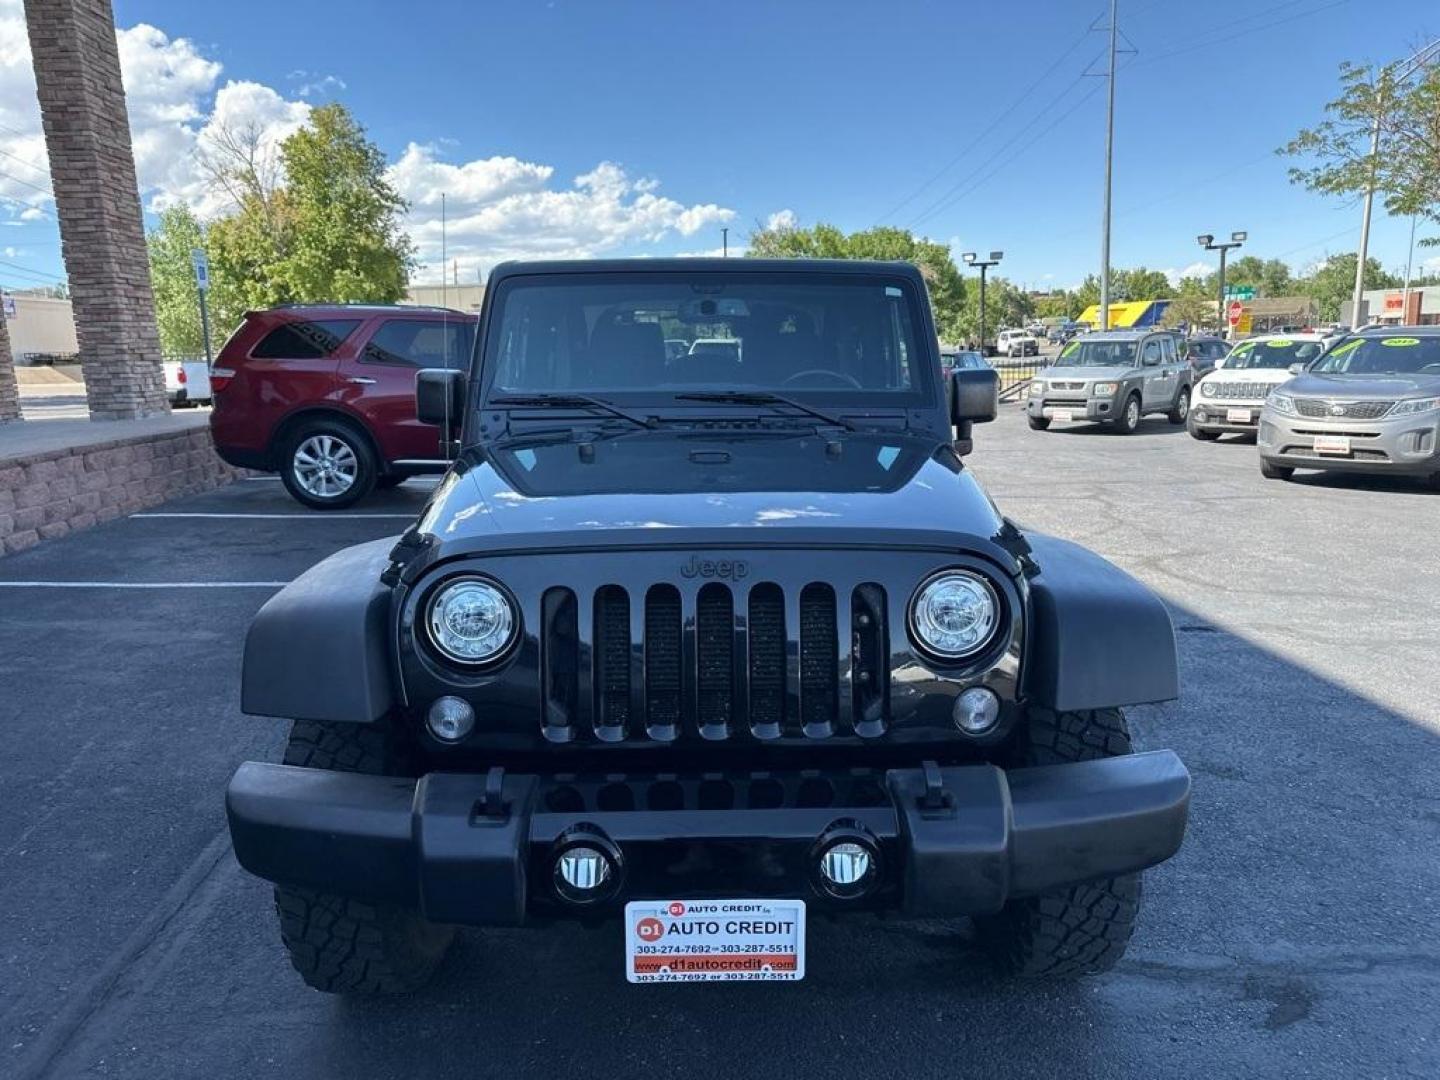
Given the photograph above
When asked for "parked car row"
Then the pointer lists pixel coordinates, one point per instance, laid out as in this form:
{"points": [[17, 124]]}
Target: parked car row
{"points": [[1367, 402]]}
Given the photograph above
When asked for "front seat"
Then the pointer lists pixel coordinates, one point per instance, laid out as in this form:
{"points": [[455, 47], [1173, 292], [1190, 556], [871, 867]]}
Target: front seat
{"points": [[626, 354]]}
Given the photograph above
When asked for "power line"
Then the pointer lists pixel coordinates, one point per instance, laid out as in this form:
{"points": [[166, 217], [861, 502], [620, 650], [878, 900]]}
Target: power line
{"points": [[27, 164], [18, 268], [27, 183], [989, 128], [1211, 43]]}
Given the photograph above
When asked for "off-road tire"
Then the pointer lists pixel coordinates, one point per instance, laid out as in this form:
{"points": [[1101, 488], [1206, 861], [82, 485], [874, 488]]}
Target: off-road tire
{"points": [[365, 468], [342, 945], [1082, 929], [1275, 472], [1038, 423], [1127, 423], [1178, 414]]}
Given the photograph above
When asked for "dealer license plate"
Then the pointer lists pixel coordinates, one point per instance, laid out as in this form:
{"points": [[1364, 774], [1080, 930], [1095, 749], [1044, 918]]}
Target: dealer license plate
{"points": [[714, 941], [1237, 416], [1063, 415], [1332, 444]]}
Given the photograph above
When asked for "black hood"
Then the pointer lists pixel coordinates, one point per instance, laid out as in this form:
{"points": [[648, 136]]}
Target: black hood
{"points": [[684, 489]]}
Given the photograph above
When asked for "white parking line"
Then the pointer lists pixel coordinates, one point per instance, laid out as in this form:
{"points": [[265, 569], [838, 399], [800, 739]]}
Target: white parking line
{"points": [[278, 517], [143, 584]]}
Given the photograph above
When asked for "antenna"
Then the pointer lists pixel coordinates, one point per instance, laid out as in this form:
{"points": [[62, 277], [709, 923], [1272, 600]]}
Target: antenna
{"points": [[445, 325]]}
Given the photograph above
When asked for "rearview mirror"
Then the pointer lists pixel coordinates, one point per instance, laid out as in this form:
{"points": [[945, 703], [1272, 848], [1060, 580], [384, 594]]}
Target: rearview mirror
{"points": [[440, 400], [974, 399], [1297, 369]]}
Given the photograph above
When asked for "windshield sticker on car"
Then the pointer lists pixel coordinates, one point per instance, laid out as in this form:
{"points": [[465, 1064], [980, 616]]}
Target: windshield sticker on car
{"points": [[1400, 342], [1281, 343], [1349, 346], [893, 290], [1070, 348], [1244, 347], [886, 455], [526, 458]]}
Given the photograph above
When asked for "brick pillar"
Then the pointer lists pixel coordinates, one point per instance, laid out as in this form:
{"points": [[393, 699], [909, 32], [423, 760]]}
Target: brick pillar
{"points": [[9, 391], [92, 167]]}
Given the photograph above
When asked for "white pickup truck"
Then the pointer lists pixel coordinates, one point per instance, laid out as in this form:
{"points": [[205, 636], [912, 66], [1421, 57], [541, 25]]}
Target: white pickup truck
{"points": [[187, 382]]}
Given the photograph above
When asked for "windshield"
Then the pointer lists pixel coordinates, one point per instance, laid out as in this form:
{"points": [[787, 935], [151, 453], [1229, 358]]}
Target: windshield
{"points": [[1398, 355], [1276, 353], [1097, 354], [620, 334]]}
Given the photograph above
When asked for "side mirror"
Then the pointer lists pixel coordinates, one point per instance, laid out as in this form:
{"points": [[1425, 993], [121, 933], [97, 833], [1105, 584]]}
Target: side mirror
{"points": [[1297, 369], [974, 399], [440, 400]]}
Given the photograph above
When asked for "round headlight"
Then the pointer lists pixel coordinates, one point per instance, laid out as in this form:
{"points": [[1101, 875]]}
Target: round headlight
{"points": [[954, 614], [471, 621]]}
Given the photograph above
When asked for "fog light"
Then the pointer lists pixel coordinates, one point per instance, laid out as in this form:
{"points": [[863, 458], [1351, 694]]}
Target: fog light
{"points": [[583, 869], [977, 710], [450, 719], [845, 865]]}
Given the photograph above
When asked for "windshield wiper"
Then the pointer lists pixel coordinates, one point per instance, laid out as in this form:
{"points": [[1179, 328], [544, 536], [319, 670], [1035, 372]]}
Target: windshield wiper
{"points": [[575, 401], [763, 397]]}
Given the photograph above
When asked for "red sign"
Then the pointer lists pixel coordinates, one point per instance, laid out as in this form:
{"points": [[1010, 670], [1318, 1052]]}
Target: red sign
{"points": [[1234, 311], [1394, 302]]}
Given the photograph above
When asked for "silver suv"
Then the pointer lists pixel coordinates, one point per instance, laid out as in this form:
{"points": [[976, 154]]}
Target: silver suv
{"points": [[1371, 404], [1116, 378]]}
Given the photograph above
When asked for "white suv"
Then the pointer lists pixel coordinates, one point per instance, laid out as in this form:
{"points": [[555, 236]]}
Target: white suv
{"points": [[1229, 398], [1017, 343]]}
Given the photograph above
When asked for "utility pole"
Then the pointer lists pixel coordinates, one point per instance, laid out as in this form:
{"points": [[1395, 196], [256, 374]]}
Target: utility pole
{"points": [[1403, 70], [1109, 165], [984, 264]]}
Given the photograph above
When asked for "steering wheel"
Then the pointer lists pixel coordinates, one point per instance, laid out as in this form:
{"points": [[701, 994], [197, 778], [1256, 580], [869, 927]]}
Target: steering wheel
{"points": [[825, 373]]}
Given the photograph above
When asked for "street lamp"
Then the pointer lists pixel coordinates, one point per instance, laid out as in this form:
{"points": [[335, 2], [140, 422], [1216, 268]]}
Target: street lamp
{"points": [[969, 259], [1207, 241]]}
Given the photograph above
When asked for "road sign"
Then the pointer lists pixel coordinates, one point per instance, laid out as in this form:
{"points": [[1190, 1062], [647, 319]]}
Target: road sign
{"points": [[1245, 323], [1240, 292], [1233, 311], [202, 269]]}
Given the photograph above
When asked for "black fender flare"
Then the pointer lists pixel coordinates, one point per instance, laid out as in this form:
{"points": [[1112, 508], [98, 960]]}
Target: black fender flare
{"points": [[319, 648], [1098, 638]]}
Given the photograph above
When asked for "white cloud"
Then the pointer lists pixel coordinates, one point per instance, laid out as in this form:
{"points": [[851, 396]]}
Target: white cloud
{"points": [[782, 220], [1194, 270], [502, 208], [498, 207], [1430, 265]]}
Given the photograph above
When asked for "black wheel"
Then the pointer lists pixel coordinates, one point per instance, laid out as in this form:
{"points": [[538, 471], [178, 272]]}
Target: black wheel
{"points": [[338, 944], [1038, 423], [1083, 929], [327, 464], [1129, 419], [1203, 435], [385, 483], [1181, 410], [1275, 472]]}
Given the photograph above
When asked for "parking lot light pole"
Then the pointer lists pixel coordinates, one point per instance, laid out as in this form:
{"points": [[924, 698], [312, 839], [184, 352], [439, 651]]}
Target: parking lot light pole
{"points": [[1208, 243], [970, 259]]}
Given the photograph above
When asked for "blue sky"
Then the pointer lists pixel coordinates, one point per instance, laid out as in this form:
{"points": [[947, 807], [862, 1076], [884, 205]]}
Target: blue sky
{"points": [[727, 114]]}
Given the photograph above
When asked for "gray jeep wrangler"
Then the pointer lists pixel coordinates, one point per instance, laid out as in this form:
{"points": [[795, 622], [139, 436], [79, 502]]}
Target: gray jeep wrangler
{"points": [[1115, 378], [688, 644]]}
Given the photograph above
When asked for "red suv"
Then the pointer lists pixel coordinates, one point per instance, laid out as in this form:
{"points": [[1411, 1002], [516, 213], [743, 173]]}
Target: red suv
{"points": [[325, 395]]}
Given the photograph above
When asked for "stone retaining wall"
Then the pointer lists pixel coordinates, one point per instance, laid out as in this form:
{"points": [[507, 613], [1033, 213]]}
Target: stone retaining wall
{"points": [[47, 495]]}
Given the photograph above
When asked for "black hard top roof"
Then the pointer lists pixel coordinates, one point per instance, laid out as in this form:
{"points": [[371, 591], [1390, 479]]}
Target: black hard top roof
{"points": [[704, 266]]}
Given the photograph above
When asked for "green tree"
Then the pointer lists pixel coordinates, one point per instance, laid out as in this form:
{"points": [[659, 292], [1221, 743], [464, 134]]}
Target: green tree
{"points": [[1193, 305], [947, 287], [1406, 170], [172, 278], [1138, 284], [1088, 292], [324, 225], [1333, 281], [1060, 304], [1268, 277]]}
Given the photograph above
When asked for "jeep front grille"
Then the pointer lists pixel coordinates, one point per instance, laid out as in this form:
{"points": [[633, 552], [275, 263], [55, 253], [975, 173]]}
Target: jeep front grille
{"points": [[716, 663], [1319, 408]]}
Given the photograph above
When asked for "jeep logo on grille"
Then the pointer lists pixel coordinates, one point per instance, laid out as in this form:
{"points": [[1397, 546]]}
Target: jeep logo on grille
{"points": [[732, 569], [1336, 409]]}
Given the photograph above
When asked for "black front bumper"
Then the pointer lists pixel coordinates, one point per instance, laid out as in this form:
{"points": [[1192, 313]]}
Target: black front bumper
{"points": [[480, 850]]}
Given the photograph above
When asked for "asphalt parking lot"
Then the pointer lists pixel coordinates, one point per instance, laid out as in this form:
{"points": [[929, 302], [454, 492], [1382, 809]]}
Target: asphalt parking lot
{"points": [[1292, 936]]}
